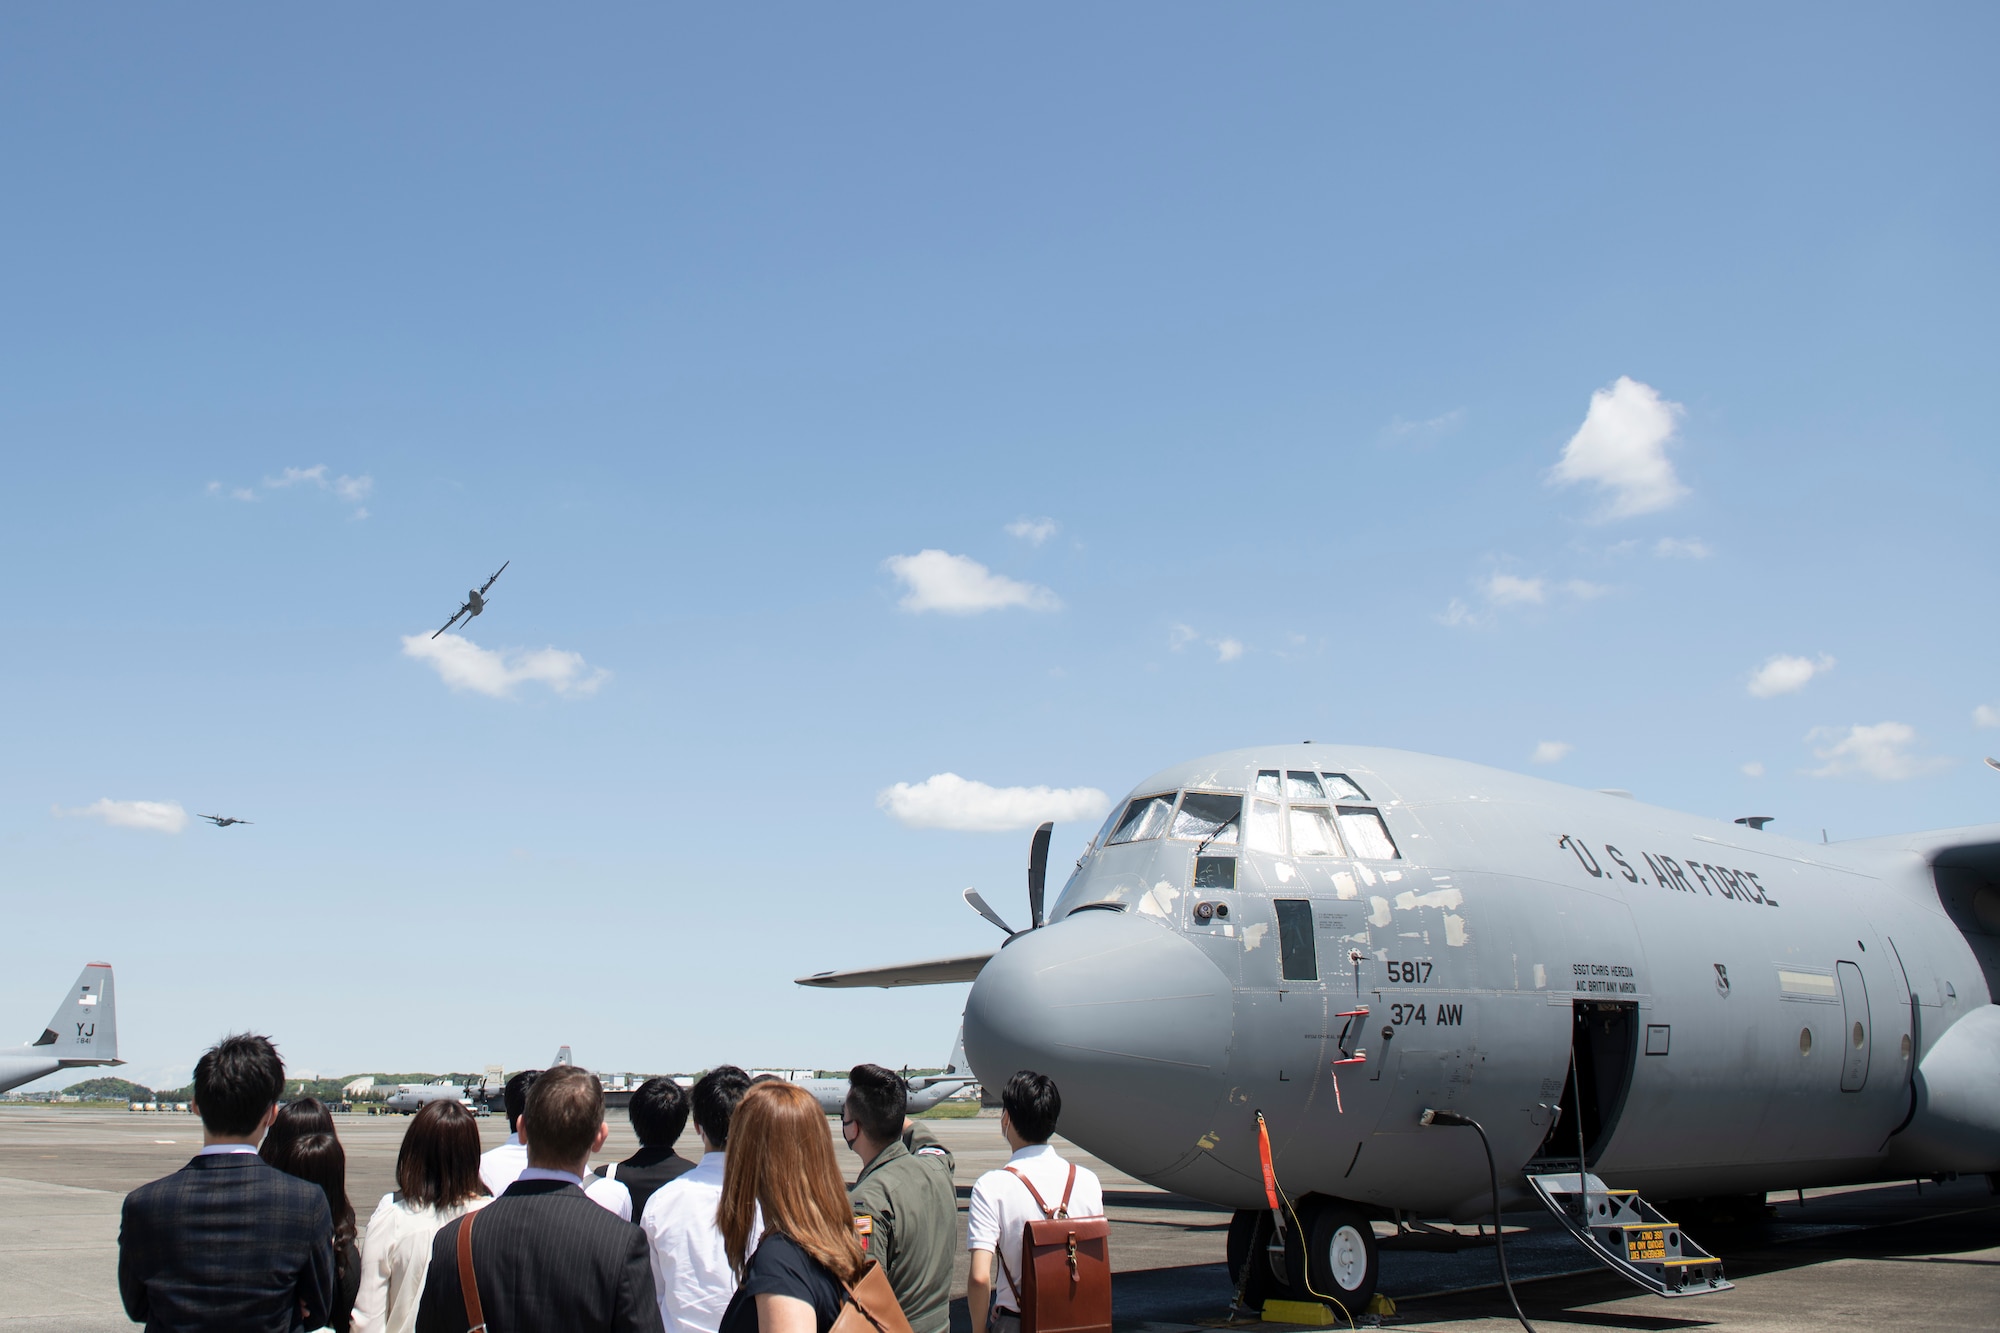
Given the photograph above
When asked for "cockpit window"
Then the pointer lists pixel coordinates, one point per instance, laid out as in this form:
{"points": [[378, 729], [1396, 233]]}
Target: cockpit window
{"points": [[1267, 783], [1341, 788], [1144, 818], [1303, 787], [1367, 834], [1312, 831], [1111, 821], [1267, 827], [1208, 816]]}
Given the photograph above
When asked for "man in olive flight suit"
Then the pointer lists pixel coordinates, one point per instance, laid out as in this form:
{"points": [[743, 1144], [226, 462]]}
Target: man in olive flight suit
{"points": [[905, 1209]]}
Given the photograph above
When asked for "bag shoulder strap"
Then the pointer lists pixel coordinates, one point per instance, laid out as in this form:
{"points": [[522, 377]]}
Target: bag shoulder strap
{"points": [[468, 1281], [1048, 1213]]}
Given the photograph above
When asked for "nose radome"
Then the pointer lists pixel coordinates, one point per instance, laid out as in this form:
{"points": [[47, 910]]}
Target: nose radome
{"points": [[1132, 1021]]}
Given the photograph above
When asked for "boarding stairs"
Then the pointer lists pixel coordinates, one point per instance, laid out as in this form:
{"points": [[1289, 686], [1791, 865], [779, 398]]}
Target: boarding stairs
{"points": [[1630, 1236]]}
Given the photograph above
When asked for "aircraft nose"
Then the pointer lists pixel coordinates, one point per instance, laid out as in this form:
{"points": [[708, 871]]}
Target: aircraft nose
{"points": [[1131, 1020]]}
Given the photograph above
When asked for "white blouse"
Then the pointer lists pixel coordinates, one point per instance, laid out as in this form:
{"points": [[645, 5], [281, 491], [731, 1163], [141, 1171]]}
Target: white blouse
{"points": [[395, 1257]]}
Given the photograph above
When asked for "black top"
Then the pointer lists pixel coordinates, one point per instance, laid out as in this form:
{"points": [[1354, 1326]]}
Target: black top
{"points": [[645, 1171], [347, 1287], [779, 1267], [547, 1260], [228, 1241]]}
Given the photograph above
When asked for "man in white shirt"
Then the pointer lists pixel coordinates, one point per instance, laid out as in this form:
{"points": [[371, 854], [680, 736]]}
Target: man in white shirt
{"points": [[1002, 1205], [501, 1166], [691, 1273]]}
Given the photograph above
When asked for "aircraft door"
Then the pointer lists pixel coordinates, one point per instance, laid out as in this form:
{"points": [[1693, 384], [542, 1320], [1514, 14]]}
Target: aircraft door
{"points": [[1855, 1038]]}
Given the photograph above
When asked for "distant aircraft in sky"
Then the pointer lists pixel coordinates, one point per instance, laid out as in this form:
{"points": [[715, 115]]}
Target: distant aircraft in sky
{"points": [[84, 1031], [475, 601], [222, 821], [1278, 976]]}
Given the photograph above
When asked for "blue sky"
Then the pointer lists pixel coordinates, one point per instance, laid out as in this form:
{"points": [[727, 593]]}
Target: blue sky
{"points": [[1269, 332]]}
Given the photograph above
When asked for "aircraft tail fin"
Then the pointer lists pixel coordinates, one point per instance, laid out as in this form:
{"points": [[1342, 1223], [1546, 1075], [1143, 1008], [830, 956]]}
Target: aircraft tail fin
{"points": [[958, 1064], [84, 1030], [562, 1056]]}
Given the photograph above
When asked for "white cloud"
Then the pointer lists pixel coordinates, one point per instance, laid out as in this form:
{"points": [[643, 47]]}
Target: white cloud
{"points": [[1426, 431], [1784, 674], [1510, 590], [1033, 531], [1456, 612], [464, 665], [949, 801], [1585, 591], [1622, 447], [959, 585], [1226, 649], [1986, 715], [152, 816], [1681, 548], [1753, 769], [353, 489], [1549, 752], [293, 476], [1881, 751]]}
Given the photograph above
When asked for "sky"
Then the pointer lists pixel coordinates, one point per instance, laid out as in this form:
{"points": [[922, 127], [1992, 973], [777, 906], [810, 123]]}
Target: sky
{"points": [[905, 424]]}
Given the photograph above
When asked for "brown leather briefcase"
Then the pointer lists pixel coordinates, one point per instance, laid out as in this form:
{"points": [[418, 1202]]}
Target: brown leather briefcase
{"points": [[1065, 1284]]}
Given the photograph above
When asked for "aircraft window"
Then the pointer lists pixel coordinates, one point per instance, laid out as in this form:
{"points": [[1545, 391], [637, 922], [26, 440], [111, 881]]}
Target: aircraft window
{"points": [[1208, 815], [1303, 787], [1110, 821], [1312, 831], [1144, 818], [1267, 783], [1215, 872], [1267, 827], [1367, 834], [1298, 960], [1341, 788]]}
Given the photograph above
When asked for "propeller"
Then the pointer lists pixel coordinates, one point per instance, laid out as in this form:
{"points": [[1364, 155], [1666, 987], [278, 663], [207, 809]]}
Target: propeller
{"points": [[1038, 875]]}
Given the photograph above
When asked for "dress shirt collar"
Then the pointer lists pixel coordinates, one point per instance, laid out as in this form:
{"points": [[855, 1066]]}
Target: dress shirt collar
{"points": [[217, 1149], [545, 1173], [1032, 1152]]}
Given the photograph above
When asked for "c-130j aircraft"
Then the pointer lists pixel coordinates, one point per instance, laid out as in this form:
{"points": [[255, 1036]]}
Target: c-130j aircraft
{"points": [[1363, 945]]}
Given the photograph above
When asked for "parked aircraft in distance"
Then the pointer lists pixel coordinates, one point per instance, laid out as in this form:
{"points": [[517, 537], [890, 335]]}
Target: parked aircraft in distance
{"points": [[411, 1098], [926, 1090], [84, 1031], [1360, 947], [475, 602]]}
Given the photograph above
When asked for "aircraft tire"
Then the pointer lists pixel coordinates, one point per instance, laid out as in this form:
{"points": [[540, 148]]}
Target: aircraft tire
{"points": [[1342, 1258], [1249, 1241]]}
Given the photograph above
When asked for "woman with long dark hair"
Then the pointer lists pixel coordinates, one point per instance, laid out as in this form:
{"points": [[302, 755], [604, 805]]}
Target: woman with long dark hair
{"points": [[437, 1179], [781, 1163], [296, 1119], [318, 1159]]}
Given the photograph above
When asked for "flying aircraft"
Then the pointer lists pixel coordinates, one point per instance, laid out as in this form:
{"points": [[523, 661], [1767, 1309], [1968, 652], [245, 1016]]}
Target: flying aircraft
{"points": [[224, 821], [926, 1090], [475, 601], [84, 1031], [1359, 951]]}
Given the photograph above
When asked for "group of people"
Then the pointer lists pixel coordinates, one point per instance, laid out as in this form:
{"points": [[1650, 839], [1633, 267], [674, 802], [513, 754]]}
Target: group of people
{"points": [[760, 1234]]}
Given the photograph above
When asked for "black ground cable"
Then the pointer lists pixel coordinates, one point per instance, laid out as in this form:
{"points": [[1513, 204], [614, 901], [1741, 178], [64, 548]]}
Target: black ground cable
{"points": [[1493, 1174]]}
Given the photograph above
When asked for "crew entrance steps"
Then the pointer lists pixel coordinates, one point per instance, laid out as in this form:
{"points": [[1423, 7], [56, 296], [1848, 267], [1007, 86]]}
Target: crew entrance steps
{"points": [[1630, 1236]]}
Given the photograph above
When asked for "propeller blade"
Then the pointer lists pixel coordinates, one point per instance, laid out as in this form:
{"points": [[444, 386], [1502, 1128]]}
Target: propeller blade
{"points": [[1992, 763], [978, 905], [1038, 872]]}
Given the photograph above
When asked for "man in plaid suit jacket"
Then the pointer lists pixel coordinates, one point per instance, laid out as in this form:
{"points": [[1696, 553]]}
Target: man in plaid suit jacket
{"points": [[228, 1244]]}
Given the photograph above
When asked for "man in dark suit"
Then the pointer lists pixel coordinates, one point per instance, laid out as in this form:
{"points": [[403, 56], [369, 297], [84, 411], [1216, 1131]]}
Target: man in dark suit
{"points": [[659, 1112], [227, 1243], [545, 1258]]}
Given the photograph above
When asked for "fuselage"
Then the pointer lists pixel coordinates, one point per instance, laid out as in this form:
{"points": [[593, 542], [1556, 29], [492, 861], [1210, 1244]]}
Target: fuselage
{"points": [[415, 1096], [18, 1069], [1693, 1006]]}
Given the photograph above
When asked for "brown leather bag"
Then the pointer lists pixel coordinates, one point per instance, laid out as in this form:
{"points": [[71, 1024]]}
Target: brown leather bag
{"points": [[871, 1305], [1065, 1284], [468, 1281]]}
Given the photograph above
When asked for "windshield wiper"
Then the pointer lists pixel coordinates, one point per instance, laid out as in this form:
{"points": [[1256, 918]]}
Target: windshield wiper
{"points": [[1216, 832]]}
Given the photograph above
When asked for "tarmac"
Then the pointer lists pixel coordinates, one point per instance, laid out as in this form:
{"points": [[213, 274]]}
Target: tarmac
{"points": [[1863, 1258]]}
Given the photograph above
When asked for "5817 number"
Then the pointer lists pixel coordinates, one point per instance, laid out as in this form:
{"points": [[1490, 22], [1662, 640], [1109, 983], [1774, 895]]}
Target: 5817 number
{"points": [[1409, 973]]}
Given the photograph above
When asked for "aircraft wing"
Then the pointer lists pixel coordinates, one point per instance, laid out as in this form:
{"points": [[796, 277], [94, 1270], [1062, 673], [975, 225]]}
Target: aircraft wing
{"points": [[453, 621], [930, 972], [1974, 848]]}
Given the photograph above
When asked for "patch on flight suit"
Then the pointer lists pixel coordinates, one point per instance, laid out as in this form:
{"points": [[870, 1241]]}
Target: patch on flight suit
{"points": [[930, 1152], [864, 1227]]}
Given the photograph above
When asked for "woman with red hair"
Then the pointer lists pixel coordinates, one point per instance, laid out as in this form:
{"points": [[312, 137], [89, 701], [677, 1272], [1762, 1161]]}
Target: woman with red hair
{"points": [[781, 1166]]}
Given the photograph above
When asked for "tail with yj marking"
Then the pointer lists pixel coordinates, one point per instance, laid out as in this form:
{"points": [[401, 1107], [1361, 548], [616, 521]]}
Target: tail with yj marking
{"points": [[84, 1031]]}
